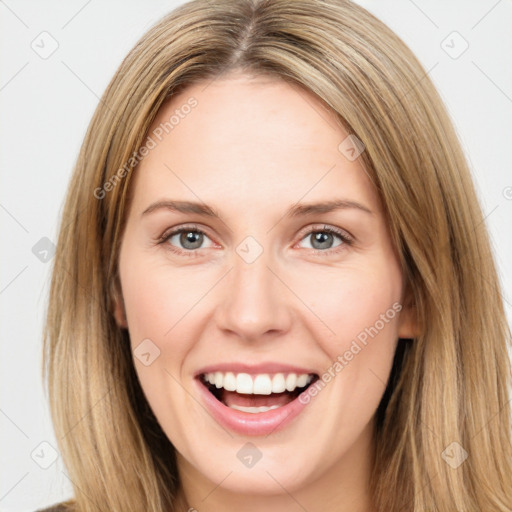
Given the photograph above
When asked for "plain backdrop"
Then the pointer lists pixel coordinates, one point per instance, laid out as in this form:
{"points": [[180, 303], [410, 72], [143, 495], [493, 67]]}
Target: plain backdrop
{"points": [[56, 58]]}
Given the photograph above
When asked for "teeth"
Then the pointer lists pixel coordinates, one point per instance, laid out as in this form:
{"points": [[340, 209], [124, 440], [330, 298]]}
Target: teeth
{"points": [[244, 384], [261, 384], [254, 410], [291, 382], [278, 383], [302, 380], [229, 382]]}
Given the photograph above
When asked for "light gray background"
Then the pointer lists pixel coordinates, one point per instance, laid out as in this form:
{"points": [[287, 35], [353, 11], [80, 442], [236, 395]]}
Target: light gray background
{"points": [[46, 105]]}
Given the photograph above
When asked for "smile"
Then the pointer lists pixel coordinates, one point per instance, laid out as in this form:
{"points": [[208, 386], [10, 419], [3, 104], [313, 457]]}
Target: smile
{"points": [[254, 404]]}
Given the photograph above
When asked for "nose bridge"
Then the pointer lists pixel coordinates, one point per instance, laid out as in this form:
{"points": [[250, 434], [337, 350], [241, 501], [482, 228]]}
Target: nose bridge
{"points": [[255, 301]]}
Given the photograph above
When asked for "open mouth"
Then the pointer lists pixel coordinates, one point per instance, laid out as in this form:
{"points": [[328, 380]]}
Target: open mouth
{"points": [[256, 393]]}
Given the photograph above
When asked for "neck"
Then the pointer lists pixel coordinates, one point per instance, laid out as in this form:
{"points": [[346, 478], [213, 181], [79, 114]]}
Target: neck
{"points": [[343, 487]]}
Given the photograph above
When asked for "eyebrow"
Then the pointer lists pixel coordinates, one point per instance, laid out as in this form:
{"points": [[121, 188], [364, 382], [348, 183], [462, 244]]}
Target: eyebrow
{"points": [[297, 210]]}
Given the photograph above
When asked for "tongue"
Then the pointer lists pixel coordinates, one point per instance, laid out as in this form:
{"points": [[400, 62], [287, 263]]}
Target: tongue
{"points": [[230, 398]]}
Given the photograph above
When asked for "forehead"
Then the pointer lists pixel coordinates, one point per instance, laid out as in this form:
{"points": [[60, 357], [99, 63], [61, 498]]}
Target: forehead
{"points": [[250, 142]]}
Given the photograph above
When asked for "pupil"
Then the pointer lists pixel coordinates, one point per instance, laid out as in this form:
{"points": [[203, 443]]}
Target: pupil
{"points": [[323, 239], [191, 237]]}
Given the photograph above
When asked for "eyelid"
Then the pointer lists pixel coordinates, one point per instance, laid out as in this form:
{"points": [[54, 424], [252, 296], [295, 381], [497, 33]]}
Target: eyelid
{"points": [[320, 227], [168, 233]]}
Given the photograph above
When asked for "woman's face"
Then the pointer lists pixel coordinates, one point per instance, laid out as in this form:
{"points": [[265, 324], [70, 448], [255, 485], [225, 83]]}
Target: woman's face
{"points": [[262, 291]]}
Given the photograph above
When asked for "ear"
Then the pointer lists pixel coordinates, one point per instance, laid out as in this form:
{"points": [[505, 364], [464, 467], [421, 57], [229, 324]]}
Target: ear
{"points": [[119, 309], [408, 323]]}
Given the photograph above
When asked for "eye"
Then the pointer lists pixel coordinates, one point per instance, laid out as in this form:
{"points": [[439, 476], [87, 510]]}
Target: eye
{"points": [[323, 238], [186, 240]]}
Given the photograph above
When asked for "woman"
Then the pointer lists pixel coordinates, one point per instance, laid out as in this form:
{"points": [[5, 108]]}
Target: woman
{"points": [[199, 355]]}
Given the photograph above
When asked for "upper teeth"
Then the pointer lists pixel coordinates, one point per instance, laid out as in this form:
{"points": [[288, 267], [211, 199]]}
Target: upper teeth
{"points": [[261, 384]]}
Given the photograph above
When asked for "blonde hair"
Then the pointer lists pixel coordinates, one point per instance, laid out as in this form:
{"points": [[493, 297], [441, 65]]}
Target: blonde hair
{"points": [[451, 384]]}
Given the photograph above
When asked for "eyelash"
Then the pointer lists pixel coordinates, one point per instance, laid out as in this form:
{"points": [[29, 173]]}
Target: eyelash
{"points": [[347, 241]]}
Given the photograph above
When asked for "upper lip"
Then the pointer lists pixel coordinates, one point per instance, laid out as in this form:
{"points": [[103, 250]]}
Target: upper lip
{"points": [[254, 369]]}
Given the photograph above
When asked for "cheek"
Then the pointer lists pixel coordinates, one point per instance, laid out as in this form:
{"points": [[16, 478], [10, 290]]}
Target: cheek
{"points": [[361, 305], [157, 297], [354, 301], [159, 302], [166, 305]]}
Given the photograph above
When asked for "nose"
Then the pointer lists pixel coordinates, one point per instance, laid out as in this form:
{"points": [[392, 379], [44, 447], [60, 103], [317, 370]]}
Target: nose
{"points": [[254, 302]]}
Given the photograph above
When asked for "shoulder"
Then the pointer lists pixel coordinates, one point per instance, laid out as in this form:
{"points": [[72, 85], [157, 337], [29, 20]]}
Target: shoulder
{"points": [[65, 506]]}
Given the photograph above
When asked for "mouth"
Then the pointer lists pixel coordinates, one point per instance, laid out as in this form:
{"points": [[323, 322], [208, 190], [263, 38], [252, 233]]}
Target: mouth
{"points": [[256, 394]]}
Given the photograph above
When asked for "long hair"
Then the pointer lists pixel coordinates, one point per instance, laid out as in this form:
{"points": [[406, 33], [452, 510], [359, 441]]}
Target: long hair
{"points": [[443, 426]]}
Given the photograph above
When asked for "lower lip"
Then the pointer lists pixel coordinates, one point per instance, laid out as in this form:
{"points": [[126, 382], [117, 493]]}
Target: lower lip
{"points": [[252, 424]]}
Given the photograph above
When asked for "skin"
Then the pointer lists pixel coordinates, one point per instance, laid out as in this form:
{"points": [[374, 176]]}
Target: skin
{"points": [[251, 149]]}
